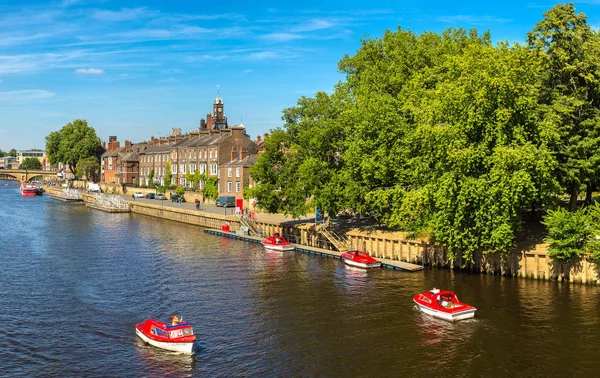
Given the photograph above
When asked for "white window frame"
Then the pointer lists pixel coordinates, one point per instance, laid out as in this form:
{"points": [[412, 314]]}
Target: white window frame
{"points": [[229, 172], [237, 171], [229, 186], [238, 186]]}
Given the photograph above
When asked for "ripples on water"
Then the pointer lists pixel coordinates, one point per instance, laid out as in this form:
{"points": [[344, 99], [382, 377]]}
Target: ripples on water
{"points": [[76, 281]]}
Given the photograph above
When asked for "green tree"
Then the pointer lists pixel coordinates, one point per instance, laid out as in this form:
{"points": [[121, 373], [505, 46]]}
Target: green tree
{"points": [[30, 163], [195, 178], [74, 142], [2, 153], [569, 51], [211, 189], [168, 173], [299, 169], [12, 153], [88, 167], [151, 177], [568, 233], [180, 190]]}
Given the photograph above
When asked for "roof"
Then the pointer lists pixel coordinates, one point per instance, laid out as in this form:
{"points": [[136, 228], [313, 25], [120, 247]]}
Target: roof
{"points": [[246, 162]]}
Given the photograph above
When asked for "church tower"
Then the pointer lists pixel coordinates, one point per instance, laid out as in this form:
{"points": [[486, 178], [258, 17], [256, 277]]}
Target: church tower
{"points": [[219, 119]]}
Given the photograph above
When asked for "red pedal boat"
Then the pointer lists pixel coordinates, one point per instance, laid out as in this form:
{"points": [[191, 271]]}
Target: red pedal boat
{"points": [[278, 243], [360, 259], [177, 337], [443, 304]]}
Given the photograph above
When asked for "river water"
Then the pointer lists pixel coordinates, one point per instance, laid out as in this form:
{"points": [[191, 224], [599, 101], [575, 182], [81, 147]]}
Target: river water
{"points": [[75, 282]]}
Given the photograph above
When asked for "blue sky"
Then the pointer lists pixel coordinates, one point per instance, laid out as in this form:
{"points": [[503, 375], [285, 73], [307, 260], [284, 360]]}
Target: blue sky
{"points": [[136, 69]]}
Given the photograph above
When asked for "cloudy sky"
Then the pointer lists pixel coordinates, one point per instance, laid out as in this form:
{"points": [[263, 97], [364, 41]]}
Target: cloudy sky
{"points": [[136, 69]]}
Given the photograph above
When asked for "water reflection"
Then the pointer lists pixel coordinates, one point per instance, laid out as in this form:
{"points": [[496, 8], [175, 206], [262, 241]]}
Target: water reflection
{"points": [[163, 362]]}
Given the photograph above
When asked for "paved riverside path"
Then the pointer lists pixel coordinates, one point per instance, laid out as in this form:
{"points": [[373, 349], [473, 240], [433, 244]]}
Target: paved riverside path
{"points": [[213, 209]]}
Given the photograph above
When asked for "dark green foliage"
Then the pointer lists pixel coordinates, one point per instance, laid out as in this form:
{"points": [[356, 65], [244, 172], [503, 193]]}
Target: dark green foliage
{"points": [[74, 142], [572, 234], [445, 135], [210, 189], [89, 167], [30, 163]]}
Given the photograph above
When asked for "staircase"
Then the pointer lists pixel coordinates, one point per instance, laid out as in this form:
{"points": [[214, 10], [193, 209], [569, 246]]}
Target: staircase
{"points": [[252, 226], [340, 242]]}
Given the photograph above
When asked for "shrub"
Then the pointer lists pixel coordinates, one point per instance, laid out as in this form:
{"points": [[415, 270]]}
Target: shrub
{"points": [[180, 190], [568, 233], [162, 189]]}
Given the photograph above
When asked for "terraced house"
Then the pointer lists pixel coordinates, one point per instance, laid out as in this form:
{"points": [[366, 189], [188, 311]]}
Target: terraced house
{"points": [[205, 150]]}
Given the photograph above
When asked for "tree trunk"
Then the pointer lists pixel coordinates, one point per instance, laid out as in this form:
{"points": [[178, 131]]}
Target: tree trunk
{"points": [[588, 194], [574, 195]]}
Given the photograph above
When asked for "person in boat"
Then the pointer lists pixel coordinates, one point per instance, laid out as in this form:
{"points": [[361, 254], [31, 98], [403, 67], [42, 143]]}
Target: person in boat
{"points": [[175, 320], [434, 291]]}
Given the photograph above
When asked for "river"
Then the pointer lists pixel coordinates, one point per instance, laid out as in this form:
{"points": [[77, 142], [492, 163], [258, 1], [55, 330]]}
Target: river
{"points": [[75, 282]]}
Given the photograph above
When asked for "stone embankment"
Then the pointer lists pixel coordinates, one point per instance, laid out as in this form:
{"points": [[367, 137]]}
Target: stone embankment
{"points": [[528, 261]]}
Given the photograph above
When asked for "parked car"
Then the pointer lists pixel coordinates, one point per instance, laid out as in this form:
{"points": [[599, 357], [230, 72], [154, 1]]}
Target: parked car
{"points": [[150, 195], [226, 201], [176, 197], [160, 197], [138, 195]]}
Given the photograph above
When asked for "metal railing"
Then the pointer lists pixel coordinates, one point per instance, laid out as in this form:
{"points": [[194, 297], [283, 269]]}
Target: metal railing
{"points": [[340, 242]]}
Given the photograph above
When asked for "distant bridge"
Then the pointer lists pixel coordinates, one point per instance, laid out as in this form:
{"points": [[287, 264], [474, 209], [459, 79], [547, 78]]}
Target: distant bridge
{"points": [[24, 175]]}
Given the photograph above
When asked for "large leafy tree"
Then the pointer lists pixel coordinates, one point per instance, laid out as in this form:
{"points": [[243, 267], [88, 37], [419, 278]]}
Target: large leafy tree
{"points": [[2, 153], [301, 165], [151, 177], [74, 142], [569, 51], [30, 163], [88, 167], [12, 152]]}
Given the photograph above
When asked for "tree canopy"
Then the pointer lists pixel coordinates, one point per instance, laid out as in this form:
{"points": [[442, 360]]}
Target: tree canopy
{"points": [[88, 167], [30, 163], [445, 135], [74, 142]]}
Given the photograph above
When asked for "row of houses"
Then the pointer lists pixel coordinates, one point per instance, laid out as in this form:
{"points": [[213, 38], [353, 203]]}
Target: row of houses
{"points": [[214, 149]]}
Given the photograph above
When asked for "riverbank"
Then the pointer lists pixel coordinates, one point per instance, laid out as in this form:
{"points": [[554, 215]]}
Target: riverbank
{"points": [[529, 260]]}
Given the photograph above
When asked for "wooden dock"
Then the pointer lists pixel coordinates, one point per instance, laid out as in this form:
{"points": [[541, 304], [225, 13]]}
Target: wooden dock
{"points": [[64, 198], [386, 264]]}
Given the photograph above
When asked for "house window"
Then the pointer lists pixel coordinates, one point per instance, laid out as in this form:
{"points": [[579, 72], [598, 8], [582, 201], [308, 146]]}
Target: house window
{"points": [[229, 186], [211, 154], [213, 169], [229, 172], [175, 168], [216, 152], [238, 187], [237, 172]]}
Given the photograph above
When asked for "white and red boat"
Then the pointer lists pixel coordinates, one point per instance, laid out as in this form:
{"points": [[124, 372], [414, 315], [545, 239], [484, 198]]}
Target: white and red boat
{"points": [[177, 337], [443, 304], [28, 189], [360, 259], [278, 243]]}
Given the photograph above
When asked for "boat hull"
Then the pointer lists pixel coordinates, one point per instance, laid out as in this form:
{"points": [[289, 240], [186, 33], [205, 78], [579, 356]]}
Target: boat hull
{"points": [[361, 265], [451, 317], [279, 247], [173, 347]]}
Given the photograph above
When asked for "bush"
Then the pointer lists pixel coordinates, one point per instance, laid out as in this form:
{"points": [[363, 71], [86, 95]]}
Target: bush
{"points": [[569, 233], [162, 189], [180, 190]]}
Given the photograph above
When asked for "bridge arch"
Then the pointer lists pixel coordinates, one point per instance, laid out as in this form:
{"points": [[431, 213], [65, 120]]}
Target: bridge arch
{"points": [[6, 176]]}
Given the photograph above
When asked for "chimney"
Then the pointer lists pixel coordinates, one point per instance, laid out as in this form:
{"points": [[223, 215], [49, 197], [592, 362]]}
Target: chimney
{"points": [[202, 124], [244, 153], [113, 143], [127, 144], [209, 124], [265, 135], [258, 139], [112, 138]]}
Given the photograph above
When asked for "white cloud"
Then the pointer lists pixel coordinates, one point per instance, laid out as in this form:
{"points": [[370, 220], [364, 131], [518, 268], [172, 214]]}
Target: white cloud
{"points": [[125, 14], [12, 40], [89, 71], [475, 20], [312, 25], [263, 55], [281, 37], [248, 71], [25, 95]]}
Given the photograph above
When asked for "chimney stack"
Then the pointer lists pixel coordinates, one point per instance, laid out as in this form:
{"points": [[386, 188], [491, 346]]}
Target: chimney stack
{"points": [[258, 139]]}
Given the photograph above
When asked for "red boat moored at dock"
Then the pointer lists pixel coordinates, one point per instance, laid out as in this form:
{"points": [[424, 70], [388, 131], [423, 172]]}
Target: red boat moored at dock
{"points": [[443, 304], [278, 243], [360, 259], [177, 337]]}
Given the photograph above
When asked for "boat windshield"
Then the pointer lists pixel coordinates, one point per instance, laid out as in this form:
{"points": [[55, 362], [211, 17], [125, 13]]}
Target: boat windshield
{"points": [[159, 332], [182, 332]]}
